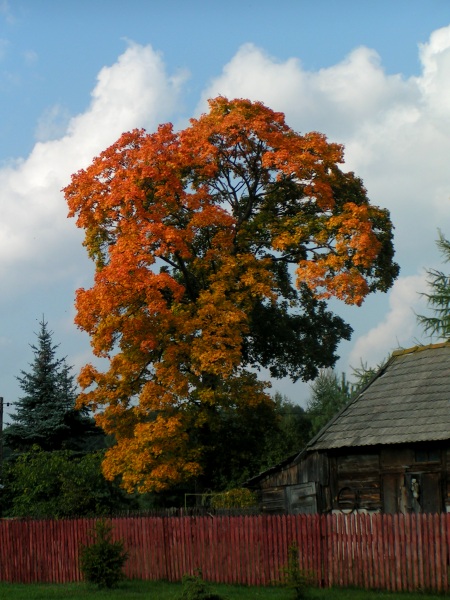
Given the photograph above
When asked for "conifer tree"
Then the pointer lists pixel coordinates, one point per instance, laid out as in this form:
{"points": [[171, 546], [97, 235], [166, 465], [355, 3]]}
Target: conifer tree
{"points": [[438, 297], [46, 414], [328, 396]]}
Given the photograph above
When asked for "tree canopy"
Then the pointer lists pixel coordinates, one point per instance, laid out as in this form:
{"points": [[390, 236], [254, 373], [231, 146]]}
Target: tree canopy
{"points": [[58, 484], [216, 249]]}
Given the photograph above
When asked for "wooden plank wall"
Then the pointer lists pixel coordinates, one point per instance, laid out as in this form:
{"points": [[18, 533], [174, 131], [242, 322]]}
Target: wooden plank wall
{"points": [[392, 552]]}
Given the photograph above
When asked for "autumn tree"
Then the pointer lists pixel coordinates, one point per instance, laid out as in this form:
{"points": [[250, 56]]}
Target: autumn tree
{"points": [[216, 249]]}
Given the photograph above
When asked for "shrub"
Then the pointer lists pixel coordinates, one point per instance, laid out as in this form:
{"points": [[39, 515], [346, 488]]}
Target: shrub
{"points": [[194, 588], [236, 498], [102, 562], [295, 578]]}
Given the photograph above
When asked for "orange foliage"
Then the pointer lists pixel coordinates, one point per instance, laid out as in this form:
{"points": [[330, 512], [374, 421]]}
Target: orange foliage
{"points": [[185, 230]]}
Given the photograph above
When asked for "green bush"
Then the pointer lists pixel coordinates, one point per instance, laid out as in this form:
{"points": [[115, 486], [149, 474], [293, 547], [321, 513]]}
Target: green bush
{"points": [[102, 562], [294, 578], [235, 498], [194, 588]]}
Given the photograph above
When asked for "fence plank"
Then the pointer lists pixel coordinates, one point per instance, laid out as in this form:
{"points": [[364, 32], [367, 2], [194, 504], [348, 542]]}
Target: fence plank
{"points": [[444, 552]]}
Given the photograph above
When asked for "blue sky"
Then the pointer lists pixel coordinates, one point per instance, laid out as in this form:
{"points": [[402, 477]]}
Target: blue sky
{"points": [[52, 51], [370, 74]]}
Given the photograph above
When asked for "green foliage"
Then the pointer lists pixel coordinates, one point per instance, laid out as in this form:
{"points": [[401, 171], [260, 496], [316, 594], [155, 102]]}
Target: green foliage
{"points": [[234, 442], [45, 414], [328, 396], [439, 296], [194, 588], [363, 374], [102, 562], [242, 441], [293, 577], [292, 431], [60, 484], [236, 498]]}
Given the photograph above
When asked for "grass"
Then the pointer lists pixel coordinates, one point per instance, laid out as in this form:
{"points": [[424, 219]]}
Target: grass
{"points": [[159, 590]]}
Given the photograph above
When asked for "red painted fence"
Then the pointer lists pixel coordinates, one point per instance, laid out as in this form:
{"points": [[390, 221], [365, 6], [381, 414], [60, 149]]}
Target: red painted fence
{"points": [[393, 552]]}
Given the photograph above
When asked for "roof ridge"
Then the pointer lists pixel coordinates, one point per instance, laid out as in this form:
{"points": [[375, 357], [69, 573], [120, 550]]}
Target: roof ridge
{"points": [[420, 348]]}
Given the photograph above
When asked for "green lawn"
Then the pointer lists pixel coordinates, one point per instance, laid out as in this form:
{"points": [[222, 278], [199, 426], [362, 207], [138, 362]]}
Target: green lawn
{"points": [[146, 590]]}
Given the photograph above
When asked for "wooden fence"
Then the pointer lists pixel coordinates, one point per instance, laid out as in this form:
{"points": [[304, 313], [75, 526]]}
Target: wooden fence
{"points": [[392, 552]]}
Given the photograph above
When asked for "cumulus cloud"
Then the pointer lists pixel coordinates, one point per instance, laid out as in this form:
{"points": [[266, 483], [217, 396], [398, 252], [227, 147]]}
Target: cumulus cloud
{"points": [[398, 328], [52, 123], [337, 100], [37, 241]]}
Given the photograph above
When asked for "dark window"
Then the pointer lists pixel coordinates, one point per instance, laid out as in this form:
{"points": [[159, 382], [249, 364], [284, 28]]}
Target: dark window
{"points": [[428, 456]]}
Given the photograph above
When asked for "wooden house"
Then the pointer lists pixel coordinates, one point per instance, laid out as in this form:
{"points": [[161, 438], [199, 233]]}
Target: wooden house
{"points": [[387, 451]]}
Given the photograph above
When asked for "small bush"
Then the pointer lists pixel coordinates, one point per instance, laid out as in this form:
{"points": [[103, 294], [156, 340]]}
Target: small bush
{"points": [[102, 562], [194, 588], [235, 498], [294, 578]]}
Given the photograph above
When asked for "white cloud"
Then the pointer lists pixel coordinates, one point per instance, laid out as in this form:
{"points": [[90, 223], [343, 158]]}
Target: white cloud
{"points": [[135, 92], [398, 328], [53, 123], [37, 241], [435, 59], [337, 100]]}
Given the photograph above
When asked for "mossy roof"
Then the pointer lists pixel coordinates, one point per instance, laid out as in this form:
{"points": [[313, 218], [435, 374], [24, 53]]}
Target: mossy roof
{"points": [[408, 400]]}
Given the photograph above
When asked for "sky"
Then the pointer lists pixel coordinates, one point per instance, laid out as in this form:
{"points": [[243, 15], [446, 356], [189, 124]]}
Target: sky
{"points": [[373, 75]]}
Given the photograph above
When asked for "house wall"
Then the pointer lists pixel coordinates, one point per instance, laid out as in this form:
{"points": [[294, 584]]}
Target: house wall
{"points": [[298, 488], [415, 478], [386, 479], [355, 481]]}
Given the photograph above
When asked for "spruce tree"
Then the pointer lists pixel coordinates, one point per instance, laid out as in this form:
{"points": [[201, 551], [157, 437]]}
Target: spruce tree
{"points": [[328, 396], [438, 298], [46, 414]]}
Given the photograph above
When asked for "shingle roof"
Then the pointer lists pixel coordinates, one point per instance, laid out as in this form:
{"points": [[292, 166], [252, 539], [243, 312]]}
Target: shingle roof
{"points": [[407, 401]]}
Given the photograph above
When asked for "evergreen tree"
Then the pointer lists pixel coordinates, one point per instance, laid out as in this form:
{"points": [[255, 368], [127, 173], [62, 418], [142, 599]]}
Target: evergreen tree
{"points": [[46, 414], [292, 433], [363, 374], [328, 396], [439, 296]]}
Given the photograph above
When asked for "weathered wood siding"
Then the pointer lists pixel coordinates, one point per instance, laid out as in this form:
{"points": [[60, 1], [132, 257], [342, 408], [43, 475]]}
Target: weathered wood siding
{"points": [[301, 487], [356, 481], [390, 479]]}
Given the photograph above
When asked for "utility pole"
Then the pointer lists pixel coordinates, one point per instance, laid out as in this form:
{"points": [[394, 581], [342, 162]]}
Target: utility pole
{"points": [[2, 404], [1, 453], [1, 440]]}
